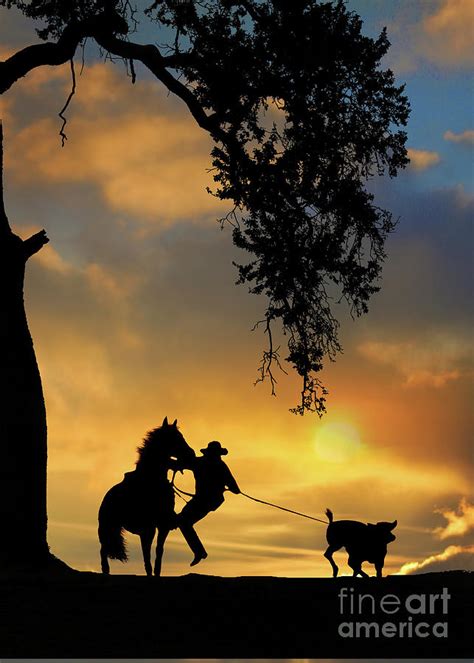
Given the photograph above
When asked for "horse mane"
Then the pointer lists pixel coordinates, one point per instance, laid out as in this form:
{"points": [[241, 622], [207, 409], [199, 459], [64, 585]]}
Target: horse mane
{"points": [[147, 440], [151, 439]]}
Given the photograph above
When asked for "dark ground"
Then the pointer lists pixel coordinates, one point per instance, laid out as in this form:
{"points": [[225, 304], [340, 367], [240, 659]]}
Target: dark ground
{"points": [[87, 615]]}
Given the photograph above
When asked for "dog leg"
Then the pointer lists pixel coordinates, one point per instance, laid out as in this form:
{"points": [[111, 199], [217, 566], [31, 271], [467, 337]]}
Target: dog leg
{"points": [[328, 555], [356, 566]]}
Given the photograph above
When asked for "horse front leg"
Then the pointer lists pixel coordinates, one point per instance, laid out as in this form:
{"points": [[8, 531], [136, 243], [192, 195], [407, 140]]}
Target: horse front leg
{"points": [[146, 539], [160, 547]]}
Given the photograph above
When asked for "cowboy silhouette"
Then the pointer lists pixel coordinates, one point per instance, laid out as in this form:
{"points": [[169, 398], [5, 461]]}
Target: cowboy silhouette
{"points": [[212, 478]]}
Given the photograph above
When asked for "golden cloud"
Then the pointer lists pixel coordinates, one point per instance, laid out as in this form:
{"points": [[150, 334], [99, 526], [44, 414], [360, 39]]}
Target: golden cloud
{"points": [[460, 522], [450, 36], [104, 282], [145, 154], [433, 362], [422, 159], [6, 115], [447, 560], [109, 285], [464, 138], [36, 80], [440, 35]]}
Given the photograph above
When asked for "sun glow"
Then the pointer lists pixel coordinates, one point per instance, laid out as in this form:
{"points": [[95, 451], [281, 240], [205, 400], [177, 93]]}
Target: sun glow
{"points": [[337, 442]]}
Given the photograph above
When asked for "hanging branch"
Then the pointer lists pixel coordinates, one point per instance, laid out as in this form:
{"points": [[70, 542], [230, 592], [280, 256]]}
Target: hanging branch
{"points": [[270, 357], [132, 72], [68, 101]]}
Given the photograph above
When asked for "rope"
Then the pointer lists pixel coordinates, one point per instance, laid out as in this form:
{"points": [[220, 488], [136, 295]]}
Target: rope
{"points": [[180, 496], [178, 491], [254, 499], [282, 508], [183, 492]]}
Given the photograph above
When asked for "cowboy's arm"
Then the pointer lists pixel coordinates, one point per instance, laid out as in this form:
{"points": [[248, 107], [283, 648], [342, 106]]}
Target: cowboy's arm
{"points": [[230, 482]]}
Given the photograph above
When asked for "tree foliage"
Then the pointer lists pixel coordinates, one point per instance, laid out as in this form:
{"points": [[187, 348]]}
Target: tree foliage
{"points": [[302, 115]]}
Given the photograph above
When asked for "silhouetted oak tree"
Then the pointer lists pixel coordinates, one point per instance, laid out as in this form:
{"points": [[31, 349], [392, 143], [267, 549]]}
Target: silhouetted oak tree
{"points": [[301, 114]]}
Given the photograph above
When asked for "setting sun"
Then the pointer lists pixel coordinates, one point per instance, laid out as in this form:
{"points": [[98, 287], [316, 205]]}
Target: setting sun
{"points": [[337, 442]]}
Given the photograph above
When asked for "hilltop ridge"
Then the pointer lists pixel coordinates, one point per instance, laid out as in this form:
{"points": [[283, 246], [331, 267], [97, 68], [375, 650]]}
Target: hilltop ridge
{"points": [[83, 615]]}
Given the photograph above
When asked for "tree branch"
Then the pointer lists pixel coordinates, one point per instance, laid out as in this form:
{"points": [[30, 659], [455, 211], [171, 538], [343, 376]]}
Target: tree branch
{"points": [[34, 243], [24, 61], [269, 356], [104, 28], [19, 64], [66, 105], [151, 57], [251, 9]]}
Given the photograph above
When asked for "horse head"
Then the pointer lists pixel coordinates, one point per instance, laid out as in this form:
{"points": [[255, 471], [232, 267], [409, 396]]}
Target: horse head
{"points": [[164, 443]]}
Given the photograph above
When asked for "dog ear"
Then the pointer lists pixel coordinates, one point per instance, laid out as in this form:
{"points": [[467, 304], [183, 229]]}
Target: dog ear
{"points": [[393, 525], [165, 421], [175, 423]]}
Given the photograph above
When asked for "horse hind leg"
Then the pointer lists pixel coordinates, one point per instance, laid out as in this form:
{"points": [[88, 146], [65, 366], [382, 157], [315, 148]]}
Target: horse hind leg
{"points": [[104, 561], [146, 539], [160, 547]]}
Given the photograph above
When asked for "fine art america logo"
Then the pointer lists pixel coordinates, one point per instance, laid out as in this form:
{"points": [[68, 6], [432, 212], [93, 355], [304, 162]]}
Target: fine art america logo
{"points": [[393, 617]]}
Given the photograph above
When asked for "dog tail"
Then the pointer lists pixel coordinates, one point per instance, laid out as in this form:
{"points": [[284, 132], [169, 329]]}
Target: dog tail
{"points": [[330, 515]]}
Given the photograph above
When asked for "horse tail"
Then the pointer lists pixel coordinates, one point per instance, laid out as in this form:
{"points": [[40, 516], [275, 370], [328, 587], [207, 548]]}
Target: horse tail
{"points": [[113, 541], [111, 534], [330, 515]]}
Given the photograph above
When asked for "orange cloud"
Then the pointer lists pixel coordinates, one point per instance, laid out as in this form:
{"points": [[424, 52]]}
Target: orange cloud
{"points": [[464, 138], [422, 159], [6, 114], [459, 523], [452, 558], [441, 35], [430, 362], [450, 35], [109, 285], [145, 153], [104, 282]]}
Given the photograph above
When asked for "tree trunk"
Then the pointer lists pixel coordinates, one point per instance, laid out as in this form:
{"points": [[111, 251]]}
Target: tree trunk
{"points": [[22, 419], [23, 450]]}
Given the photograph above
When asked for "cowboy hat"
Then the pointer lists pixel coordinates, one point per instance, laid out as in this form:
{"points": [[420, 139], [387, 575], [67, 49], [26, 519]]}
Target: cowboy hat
{"points": [[215, 447]]}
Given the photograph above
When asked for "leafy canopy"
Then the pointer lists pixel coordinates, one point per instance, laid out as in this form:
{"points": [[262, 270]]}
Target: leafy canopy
{"points": [[302, 115]]}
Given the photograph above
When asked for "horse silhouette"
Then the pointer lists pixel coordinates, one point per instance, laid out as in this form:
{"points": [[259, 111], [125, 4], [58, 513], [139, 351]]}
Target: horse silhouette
{"points": [[144, 501]]}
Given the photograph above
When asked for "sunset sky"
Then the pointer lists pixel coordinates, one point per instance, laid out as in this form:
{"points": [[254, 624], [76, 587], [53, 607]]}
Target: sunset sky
{"points": [[135, 315]]}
